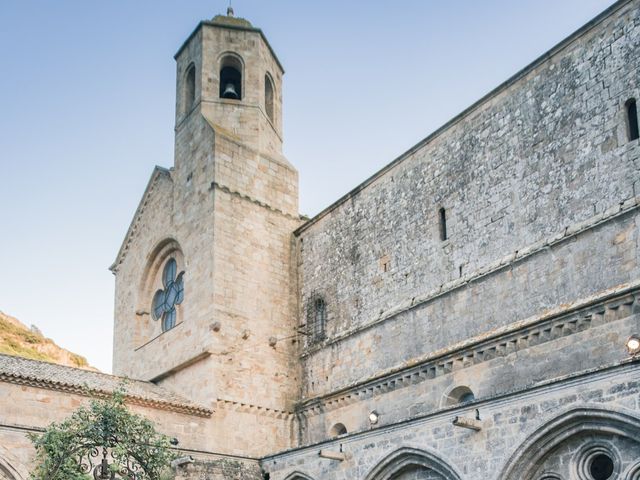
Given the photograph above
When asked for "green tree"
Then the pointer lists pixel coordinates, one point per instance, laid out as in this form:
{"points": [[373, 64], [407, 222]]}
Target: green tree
{"points": [[102, 433]]}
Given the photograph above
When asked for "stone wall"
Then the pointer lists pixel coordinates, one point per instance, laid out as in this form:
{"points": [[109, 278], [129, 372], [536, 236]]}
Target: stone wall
{"points": [[28, 409], [221, 468], [579, 337], [603, 406], [532, 178]]}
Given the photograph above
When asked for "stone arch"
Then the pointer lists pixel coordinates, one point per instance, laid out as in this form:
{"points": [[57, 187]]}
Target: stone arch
{"points": [[231, 72], [457, 395], [10, 468], [189, 88], [531, 454], [297, 476], [401, 460], [269, 96], [337, 430], [633, 472]]}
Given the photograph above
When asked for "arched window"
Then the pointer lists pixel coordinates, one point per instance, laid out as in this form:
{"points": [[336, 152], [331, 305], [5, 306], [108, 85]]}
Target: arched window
{"points": [[189, 88], [166, 299], [337, 430], [268, 96], [459, 395], [231, 78], [161, 294], [632, 119], [317, 319]]}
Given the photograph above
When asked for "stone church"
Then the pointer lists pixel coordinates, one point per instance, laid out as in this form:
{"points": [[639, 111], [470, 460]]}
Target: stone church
{"points": [[471, 311]]}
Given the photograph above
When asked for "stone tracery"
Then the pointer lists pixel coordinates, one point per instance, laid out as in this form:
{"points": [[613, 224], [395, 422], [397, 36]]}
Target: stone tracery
{"points": [[584, 443], [413, 464]]}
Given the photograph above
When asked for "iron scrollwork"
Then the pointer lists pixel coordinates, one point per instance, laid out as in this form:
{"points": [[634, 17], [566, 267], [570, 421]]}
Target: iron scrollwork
{"points": [[104, 464]]}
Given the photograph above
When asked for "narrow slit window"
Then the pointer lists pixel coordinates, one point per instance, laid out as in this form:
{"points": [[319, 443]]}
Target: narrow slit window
{"points": [[632, 119], [443, 224], [317, 319]]}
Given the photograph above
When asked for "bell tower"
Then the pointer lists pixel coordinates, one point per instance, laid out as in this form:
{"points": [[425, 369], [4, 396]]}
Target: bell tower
{"points": [[228, 71], [205, 280]]}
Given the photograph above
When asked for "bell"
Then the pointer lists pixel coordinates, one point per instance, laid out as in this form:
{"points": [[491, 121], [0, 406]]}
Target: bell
{"points": [[230, 92]]}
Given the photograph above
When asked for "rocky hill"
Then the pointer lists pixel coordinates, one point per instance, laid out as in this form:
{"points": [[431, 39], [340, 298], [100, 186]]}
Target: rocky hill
{"points": [[19, 340]]}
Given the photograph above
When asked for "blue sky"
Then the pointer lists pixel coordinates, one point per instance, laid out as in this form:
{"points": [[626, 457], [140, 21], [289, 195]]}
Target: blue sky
{"points": [[87, 100]]}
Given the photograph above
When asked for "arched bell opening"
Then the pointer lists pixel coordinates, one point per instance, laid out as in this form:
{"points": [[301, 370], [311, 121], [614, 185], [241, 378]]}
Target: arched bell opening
{"points": [[231, 78]]}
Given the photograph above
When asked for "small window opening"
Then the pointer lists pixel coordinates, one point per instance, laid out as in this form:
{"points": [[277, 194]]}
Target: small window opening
{"points": [[231, 78], [385, 263], [190, 88], [318, 320], [459, 395], [632, 119], [601, 467], [467, 397], [337, 430], [268, 96], [443, 224]]}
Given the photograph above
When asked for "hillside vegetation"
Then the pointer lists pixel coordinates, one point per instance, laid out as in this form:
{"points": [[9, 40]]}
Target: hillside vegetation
{"points": [[19, 340]]}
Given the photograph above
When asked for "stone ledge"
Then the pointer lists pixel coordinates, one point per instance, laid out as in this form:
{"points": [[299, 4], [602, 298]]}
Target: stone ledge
{"points": [[603, 372], [556, 323], [247, 198], [253, 409]]}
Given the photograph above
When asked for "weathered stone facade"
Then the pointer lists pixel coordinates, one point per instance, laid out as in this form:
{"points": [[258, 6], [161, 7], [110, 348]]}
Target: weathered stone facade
{"points": [[462, 314]]}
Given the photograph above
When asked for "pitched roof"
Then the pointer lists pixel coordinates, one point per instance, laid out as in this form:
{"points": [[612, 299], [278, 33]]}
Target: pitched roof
{"points": [[51, 376]]}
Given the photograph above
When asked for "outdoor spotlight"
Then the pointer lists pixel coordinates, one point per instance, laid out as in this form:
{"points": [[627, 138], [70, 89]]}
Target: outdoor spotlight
{"points": [[633, 345], [374, 417], [174, 441]]}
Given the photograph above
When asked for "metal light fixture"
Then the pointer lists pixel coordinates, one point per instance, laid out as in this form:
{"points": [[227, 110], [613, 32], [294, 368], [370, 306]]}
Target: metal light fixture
{"points": [[374, 417], [633, 345]]}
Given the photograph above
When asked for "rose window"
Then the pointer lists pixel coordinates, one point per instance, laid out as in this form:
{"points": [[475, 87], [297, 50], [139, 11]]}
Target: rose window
{"points": [[167, 299]]}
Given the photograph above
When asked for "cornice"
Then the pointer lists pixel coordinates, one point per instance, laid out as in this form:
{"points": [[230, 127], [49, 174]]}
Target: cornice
{"points": [[253, 409], [250, 199], [611, 304], [614, 370], [100, 393]]}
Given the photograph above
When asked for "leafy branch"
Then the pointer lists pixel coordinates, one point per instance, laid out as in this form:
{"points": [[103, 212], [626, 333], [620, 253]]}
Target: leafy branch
{"points": [[72, 449]]}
